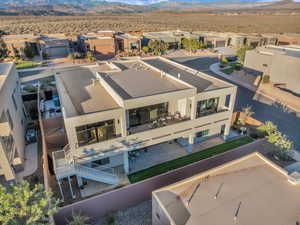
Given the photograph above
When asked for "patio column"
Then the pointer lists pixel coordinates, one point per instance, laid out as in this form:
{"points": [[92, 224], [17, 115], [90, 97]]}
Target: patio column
{"points": [[126, 162], [79, 181], [226, 131], [71, 189], [191, 142], [61, 191], [193, 103]]}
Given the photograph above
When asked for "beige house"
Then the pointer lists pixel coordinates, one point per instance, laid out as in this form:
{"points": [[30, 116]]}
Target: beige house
{"points": [[12, 119], [250, 190], [113, 110], [280, 63]]}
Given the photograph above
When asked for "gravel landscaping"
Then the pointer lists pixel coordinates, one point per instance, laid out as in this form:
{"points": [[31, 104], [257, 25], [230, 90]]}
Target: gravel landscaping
{"points": [[137, 215]]}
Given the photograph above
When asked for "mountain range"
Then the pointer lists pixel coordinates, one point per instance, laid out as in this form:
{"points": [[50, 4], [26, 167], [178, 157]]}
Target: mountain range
{"points": [[74, 7]]}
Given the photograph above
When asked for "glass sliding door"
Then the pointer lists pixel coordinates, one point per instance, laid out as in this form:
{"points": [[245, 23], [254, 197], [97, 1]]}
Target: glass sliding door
{"points": [[207, 107], [147, 114], [95, 132]]}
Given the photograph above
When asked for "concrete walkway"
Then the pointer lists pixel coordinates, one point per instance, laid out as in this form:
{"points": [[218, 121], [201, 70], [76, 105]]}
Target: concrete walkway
{"points": [[164, 152], [31, 161], [216, 69]]}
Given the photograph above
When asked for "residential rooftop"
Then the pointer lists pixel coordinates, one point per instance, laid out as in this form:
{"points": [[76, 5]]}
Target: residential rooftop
{"points": [[247, 191], [197, 79], [86, 96], [138, 80], [4, 72], [281, 50]]}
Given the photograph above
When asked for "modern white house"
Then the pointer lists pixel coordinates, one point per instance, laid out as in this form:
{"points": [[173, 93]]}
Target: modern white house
{"points": [[120, 107], [12, 122]]}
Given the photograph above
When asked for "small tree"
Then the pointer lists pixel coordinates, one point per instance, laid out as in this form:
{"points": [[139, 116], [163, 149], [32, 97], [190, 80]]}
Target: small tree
{"points": [[145, 49], [223, 60], [3, 50], [28, 52], [45, 56], [90, 56], [78, 219], [191, 44], [72, 56], [241, 53], [153, 44], [277, 139], [246, 113], [268, 128], [21, 204]]}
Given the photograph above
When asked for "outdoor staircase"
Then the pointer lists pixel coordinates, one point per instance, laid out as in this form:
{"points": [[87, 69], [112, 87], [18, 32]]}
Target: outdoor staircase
{"points": [[67, 166]]}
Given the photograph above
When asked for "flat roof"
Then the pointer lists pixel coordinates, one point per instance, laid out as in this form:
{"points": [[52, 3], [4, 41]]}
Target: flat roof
{"points": [[201, 83], [138, 80], [4, 68], [85, 96], [4, 72], [280, 51], [250, 188]]}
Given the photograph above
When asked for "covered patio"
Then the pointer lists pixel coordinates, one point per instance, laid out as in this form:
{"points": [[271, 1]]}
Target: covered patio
{"points": [[160, 153]]}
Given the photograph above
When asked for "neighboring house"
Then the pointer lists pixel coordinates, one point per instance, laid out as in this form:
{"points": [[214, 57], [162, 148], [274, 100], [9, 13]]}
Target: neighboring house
{"points": [[103, 44], [16, 44], [113, 110], [12, 119], [55, 46], [172, 38], [128, 43], [250, 190], [214, 40], [289, 39], [281, 64]]}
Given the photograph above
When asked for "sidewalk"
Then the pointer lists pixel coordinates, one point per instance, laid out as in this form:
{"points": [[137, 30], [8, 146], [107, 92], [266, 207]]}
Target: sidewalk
{"points": [[31, 161], [272, 95]]}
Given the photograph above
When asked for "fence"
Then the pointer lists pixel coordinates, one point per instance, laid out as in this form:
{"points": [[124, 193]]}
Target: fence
{"points": [[136, 193]]}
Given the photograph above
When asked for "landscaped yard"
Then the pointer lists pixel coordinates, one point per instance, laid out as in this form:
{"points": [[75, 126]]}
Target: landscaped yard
{"points": [[228, 70], [183, 161], [231, 67], [26, 64]]}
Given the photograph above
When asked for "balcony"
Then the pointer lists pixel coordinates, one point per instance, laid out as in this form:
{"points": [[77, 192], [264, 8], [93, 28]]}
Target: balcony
{"points": [[8, 146], [150, 136], [161, 122]]}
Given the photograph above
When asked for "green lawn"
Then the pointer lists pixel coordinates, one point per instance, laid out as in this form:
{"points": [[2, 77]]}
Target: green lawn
{"points": [[228, 70], [183, 161], [26, 64]]}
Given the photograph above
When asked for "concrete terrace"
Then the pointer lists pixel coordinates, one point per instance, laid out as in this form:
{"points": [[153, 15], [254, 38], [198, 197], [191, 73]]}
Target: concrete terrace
{"points": [[200, 82]]}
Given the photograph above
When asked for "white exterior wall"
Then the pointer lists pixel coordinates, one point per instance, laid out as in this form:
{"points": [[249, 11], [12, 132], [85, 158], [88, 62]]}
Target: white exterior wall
{"points": [[10, 84]]}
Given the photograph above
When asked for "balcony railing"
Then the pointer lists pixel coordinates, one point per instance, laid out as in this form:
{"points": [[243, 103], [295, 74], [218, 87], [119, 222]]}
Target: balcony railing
{"points": [[161, 122], [7, 145]]}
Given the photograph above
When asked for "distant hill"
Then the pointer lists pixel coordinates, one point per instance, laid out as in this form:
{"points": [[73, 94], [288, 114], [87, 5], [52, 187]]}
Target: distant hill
{"points": [[79, 7]]}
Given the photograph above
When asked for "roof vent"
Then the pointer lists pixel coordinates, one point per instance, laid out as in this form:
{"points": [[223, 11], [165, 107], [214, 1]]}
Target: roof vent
{"points": [[178, 75]]}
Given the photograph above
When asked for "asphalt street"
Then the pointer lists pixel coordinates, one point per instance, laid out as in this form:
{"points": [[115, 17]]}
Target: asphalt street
{"points": [[288, 121]]}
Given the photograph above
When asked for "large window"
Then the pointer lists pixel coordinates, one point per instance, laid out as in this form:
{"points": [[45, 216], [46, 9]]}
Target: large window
{"points": [[96, 132], [203, 133], [207, 107], [144, 115]]}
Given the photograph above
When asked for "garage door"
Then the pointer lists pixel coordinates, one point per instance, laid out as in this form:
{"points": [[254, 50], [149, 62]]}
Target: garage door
{"points": [[58, 52], [220, 44]]}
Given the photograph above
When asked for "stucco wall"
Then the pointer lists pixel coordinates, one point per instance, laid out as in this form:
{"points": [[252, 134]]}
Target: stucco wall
{"points": [[10, 86]]}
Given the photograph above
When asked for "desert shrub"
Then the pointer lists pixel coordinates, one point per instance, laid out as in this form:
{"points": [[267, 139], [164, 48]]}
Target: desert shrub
{"points": [[266, 79]]}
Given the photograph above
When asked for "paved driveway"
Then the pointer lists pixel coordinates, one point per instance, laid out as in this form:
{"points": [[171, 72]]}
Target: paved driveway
{"points": [[287, 121]]}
